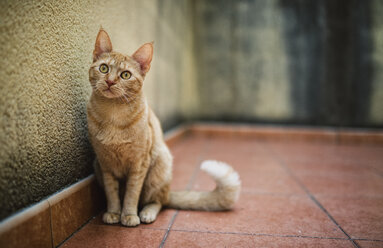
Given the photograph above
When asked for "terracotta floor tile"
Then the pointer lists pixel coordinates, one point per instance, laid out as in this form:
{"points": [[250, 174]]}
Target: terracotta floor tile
{"points": [[187, 157], [259, 172], [198, 239], [377, 166], [378, 170], [360, 217], [331, 167], [342, 183], [370, 244], [297, 151], [368, 153], [301, 151], [243, 154], [334, 169], [99, 236], [228, 149], [255, 181], [162, 221], [368, 156], [268, 214]]}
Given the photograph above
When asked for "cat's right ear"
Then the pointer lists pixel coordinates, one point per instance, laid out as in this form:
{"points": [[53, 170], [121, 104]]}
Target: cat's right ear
{"points": [[103, 44]]}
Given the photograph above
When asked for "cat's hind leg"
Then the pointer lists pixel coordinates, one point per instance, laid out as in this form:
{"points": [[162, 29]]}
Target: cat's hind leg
{"points": [[156, 188], [149, 213]]}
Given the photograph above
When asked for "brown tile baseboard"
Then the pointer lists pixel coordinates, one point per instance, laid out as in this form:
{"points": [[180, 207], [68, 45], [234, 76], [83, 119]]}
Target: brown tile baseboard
{"points": [[312, 134], [174, 135], [53, 220], [73, 207], [29, 228]]}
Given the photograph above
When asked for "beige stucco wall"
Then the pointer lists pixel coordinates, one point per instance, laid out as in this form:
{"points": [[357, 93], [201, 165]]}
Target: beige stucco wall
{"points": [[46, 49]]}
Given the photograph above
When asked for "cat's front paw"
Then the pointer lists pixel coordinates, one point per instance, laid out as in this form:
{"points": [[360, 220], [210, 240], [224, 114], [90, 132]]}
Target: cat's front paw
{"points": [[111, 218], [130, 220], [147, 216]]}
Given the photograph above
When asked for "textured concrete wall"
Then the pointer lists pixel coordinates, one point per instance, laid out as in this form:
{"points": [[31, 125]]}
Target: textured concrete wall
{"points": [[46, 49], [297, 61]]}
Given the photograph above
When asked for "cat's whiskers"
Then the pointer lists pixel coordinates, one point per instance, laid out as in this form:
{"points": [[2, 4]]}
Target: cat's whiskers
{"points": [[127, 100], [96, 89], [132, 97], [125, 95], [121, 100]]}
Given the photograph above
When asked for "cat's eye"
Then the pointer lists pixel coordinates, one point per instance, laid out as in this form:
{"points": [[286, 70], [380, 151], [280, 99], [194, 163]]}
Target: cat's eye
{"points": [[104, 68], [125, 75]]}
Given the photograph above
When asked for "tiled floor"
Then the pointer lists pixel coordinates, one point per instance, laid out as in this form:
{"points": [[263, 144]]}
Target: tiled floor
{"points": [[294, 194]]}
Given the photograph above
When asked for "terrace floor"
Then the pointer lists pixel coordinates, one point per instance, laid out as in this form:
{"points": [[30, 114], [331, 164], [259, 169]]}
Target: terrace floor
{"points": [[294, 194]]}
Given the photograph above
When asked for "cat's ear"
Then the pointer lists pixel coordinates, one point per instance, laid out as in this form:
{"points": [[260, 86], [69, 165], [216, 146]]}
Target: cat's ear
{"points": [[144, 56], [103, 44]]}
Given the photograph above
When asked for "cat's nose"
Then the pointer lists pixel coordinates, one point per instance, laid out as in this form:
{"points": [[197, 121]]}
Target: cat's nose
{"points": [[110, 83]]}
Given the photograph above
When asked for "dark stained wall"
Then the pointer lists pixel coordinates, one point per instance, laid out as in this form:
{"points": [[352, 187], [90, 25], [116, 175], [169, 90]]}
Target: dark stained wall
{"points": [[296, 61]]}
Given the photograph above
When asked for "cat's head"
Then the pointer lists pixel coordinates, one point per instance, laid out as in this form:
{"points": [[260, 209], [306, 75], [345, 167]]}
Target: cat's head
{"points": [[114, 75]]}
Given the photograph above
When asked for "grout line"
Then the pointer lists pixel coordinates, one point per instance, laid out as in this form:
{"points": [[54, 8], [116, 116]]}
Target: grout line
{"points": [[188, 187], [150, 228], [50, 222], [168, 229], [311, 196], [118, 225], [262, 234], [374, 240], [377, 171], [76, 231]]}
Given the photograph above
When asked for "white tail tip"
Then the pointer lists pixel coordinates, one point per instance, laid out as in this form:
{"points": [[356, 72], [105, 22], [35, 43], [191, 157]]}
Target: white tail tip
{"points": [[221, 170], [215, 168]]}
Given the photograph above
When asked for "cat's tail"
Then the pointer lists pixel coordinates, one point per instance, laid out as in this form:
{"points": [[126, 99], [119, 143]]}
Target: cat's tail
{"points": [[222, 197]]}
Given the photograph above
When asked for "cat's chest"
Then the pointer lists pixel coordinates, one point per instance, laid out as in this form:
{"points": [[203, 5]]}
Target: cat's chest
{"points": [[120, 158], [117, 127], [110, 133], [122, 142], [125, 154]]}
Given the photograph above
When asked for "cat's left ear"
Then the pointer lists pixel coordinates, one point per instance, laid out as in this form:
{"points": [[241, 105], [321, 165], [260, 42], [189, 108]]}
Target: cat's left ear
{"points": [[103, 44], [144, 56]]}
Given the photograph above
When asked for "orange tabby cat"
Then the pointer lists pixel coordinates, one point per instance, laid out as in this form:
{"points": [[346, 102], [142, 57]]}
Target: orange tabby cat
{"points": [[127, 138]]}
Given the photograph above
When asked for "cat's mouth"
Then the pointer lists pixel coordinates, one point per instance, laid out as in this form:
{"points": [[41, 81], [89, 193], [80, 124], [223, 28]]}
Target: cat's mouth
{"points": [[109, 93]]}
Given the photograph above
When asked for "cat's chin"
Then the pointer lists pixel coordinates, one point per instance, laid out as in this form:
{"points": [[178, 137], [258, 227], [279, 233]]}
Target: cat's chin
{"points": [[109, 94]]}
